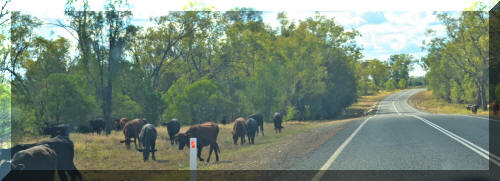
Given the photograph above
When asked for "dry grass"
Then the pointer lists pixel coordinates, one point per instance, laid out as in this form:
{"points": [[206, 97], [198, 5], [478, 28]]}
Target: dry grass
{"points": [[272, 151], [427, 102], [363, 104]]}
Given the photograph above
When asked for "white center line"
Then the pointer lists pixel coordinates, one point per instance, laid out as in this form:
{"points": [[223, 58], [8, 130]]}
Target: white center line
{"points": [[395, 108], [330, 161], [482, 152]]}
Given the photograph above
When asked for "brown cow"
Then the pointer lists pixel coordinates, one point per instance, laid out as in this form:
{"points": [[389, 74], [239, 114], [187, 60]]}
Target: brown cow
{"points": [[239, 130], [494, 106], [132, 130], [206, 134], [123, 121], [40, 157]]}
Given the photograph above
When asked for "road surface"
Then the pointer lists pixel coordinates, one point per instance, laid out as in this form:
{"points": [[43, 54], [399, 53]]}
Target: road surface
{"points": [[399, 137]]}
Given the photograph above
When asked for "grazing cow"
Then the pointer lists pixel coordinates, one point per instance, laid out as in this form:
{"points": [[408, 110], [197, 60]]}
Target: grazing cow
{"points": [[260, 122], [173, 127], [472, 108], [132, 130], [97, 125], [147, 139], [277, 119], [206, 134], [239, 130], [123, 121], [252, 127], [53, 131], [64, 149]]}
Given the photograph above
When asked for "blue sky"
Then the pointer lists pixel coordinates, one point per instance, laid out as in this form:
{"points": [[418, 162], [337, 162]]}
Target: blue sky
{"points": [[386, 30]]}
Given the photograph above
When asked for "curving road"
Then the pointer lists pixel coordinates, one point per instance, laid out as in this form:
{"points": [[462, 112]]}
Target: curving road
{"points": [[399, 137]]}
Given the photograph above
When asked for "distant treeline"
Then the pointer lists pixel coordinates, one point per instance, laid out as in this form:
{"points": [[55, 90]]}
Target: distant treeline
{"points": [[196, 66]]}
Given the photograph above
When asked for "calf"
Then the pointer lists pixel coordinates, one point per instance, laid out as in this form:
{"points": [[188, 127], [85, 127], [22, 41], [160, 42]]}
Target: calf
{"points": [[260, 122], [239, 130], [206, 134], [148, 139], [132, 130], [53, 131], [173, 127], [61, 145], [277, 119], [252, 127]]}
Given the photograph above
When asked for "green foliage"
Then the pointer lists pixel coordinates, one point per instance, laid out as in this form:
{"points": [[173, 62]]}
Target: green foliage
{"points": [[5, 114], [390, 84], [290, 113], [402, 83], [458, 63]]}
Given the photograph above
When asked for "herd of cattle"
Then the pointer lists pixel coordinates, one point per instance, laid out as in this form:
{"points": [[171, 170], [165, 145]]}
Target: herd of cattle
{"points": [[494, 107], [57, 152]]}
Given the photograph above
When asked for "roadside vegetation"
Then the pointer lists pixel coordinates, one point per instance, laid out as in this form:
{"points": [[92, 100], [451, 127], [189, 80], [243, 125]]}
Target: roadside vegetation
{"points": [[428, 102]]}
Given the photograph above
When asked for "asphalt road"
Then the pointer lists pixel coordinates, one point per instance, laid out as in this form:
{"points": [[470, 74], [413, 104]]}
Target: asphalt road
{"points": [[399, 137]]}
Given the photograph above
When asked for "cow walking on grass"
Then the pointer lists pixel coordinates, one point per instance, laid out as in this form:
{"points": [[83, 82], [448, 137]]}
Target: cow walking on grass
{"points": [[173, 127], [132, 130], [260, 122], [239, 130], [147, 139], [252, 128], [277, 119], [206, 134]]}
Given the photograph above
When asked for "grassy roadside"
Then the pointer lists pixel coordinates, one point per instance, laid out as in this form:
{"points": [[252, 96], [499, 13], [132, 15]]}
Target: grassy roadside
{"points": [[272, 151], [427, 102], [365, 103]]}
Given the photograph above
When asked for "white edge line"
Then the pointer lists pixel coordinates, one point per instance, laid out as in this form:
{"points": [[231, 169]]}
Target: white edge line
{"points": [[395, 108], [463, 141], [332, 158]]}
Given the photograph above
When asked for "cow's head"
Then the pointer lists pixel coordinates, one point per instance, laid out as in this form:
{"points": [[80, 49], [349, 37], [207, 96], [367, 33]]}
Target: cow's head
{"points": [[183, 139], [235, 138]]}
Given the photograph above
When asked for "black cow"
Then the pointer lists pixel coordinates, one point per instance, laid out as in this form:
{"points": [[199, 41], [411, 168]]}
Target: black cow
{"points": [[24, 162], [53, 131], [260, 122], [173, 127], [83, 129], [97, 125], [472, 108], [147, 138], [252, 127], [63, 148], [277, 119]]}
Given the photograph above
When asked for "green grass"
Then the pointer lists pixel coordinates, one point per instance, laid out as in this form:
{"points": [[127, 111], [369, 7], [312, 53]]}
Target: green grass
{"points": [[427, 102]]}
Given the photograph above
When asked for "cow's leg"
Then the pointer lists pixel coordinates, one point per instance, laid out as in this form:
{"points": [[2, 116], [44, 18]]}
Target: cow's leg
{"points": [[62, 175], [135, 143], [217, 151], [199, 154], [153, 151], [262, 129], [210, 152], [242, 139]]}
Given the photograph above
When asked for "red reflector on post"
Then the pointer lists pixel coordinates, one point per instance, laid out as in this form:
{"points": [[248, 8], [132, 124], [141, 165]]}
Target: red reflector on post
{"points": [[193, 144]]}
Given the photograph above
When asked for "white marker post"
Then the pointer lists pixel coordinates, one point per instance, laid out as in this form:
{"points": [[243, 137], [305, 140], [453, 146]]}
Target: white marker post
{"points": [[193, 159]]}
